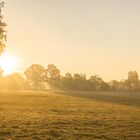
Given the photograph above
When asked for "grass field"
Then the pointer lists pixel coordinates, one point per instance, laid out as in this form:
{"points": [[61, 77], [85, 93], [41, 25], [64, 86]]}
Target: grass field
{"points": [[30, 115]]}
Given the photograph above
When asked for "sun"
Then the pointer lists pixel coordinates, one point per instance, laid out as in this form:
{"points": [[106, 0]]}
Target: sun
{"points": [[8, 63]]}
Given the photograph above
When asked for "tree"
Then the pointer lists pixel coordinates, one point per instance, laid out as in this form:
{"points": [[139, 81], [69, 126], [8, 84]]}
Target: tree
{"points": [[34, 75], [133, 80], [67, 82], [68, 76], [3, 32], [52, 75], [96, 82], [114, 85], [79, 81]]}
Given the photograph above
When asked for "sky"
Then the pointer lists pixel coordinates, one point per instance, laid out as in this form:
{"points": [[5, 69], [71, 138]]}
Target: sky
{"points": [[85, 36]]}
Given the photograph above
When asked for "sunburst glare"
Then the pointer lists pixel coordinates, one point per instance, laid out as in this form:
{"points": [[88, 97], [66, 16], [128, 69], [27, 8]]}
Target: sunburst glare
{"points": [[8, 63]]}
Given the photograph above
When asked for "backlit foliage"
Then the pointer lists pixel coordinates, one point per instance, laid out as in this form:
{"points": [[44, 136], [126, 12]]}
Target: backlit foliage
{"points": [[3, 32]]}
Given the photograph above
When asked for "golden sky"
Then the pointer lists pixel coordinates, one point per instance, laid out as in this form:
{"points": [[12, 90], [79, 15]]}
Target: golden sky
{"points": [[86, 36]]}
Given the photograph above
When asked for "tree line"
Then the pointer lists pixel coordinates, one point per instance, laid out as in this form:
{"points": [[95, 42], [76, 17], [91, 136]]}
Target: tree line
{"points": [[37, 77]]}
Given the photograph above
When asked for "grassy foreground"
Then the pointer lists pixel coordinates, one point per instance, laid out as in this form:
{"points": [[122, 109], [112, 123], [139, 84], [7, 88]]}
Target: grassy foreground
{"points": [[30, 115]]}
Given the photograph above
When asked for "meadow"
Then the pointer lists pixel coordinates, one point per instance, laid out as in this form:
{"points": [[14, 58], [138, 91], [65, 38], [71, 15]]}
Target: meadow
{"points": [[44, 115]]}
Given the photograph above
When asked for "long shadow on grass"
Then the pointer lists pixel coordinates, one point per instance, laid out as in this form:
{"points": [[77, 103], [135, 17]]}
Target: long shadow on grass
{"points": [[122, 98]]}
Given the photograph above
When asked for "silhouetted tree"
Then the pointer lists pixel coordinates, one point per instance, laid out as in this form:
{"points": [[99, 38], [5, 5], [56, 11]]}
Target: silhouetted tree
{"points": [[96, 82], [80, 81], [3, 32], [34, 75], [133, 81], [52, 76], [114, 85], [67, 82]]}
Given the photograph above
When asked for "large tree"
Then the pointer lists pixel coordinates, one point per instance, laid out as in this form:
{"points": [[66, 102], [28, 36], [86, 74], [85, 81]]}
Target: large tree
{"points": [[96, 81], [3, 32], [52, 75], [67, 82], [34, 76], [133, 81], [79, 81]]}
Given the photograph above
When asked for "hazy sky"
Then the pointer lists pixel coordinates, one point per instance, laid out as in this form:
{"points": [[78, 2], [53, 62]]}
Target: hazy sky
{"points": [[86, 36]]}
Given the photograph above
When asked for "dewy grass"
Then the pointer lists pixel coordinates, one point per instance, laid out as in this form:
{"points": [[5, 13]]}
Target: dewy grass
{"points": [[38, 115]]}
